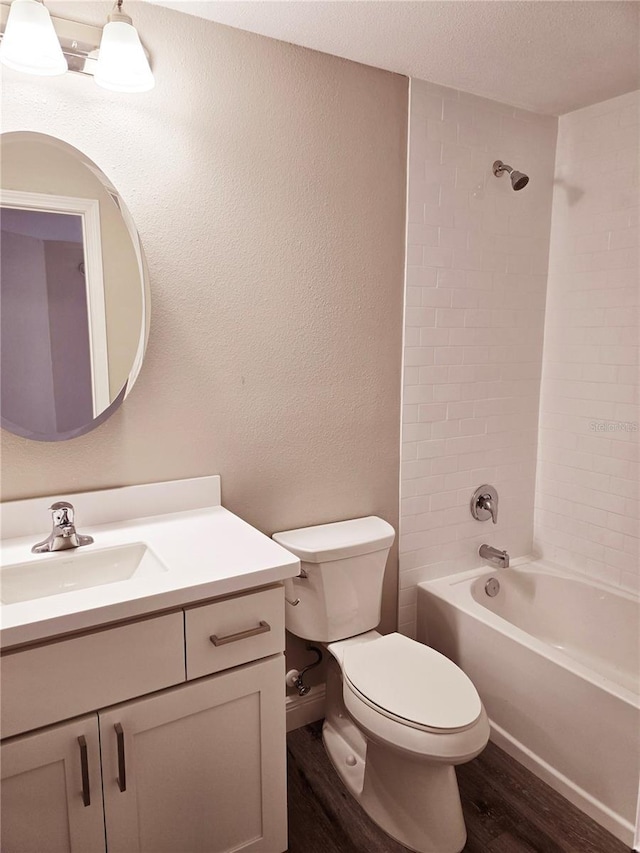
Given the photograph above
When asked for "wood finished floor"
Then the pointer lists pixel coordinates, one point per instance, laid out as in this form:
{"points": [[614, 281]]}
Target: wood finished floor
{"points": [[506, 809]]}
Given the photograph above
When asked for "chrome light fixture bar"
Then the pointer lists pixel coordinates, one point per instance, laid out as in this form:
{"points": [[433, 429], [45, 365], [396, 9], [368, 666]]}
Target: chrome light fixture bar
{"points": [[81, 46]]}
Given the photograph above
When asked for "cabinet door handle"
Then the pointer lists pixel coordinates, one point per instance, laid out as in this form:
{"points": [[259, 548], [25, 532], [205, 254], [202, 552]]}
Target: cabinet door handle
{"points": [[262, 628], [122, 768], [84, 769]]}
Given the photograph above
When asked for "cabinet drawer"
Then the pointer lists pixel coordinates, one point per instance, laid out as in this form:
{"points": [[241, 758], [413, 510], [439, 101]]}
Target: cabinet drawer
{"points": [[53, 682], [234, 631]]}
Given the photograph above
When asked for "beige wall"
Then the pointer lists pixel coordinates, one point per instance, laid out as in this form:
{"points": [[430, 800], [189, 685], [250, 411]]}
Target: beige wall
{"points": [[268, 186]]}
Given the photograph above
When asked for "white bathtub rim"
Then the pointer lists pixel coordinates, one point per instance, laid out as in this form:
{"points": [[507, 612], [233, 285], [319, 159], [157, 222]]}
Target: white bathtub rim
{"points": [[623, 829], [445, 589], [539, 566]]}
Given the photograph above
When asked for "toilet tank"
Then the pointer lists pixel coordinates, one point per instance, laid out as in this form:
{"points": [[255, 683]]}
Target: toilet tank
{"points": [[340, 588]]}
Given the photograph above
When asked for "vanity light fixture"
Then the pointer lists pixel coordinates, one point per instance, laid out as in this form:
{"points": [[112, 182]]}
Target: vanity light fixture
{"points": [[30, 43]]}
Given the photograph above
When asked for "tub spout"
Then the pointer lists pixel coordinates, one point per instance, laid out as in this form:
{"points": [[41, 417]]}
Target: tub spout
{"points": [[495, 556]]}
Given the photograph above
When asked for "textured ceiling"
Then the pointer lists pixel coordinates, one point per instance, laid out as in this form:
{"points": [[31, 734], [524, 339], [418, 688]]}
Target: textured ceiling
{"points": [[551, 56]]}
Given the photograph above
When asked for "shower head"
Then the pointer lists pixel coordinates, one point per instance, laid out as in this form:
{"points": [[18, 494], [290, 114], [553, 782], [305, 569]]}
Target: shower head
{"points": [[518, 179]]}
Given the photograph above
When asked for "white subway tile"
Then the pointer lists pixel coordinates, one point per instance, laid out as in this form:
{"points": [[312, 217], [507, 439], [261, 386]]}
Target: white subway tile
{"points": [[436, 374], [418, 276], [448, 355], [416, 432], [418, 394], [447, 392], [432, 448], [458, 411], [437, 257], [432, 412], [453, 238], [467, 259], [430, 485], [418, 355], [420, 316], [437, 214], [422, 235], [443, 500], [437, 338], [442, 131], [436, 297], [449, 317], [412, 337]]}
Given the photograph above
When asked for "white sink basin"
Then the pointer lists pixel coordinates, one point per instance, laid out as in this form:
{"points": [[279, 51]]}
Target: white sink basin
{"points": [[80, 568]]}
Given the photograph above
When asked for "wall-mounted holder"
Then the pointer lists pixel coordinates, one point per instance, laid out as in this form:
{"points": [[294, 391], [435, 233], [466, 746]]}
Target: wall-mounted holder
{"points": [[484, 504]]}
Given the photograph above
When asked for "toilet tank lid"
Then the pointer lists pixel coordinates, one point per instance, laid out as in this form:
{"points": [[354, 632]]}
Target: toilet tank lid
{"points": [[338, 540]]}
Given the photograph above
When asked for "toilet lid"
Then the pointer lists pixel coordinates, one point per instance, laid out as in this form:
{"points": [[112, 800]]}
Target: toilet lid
{"points": [[413, 682]]}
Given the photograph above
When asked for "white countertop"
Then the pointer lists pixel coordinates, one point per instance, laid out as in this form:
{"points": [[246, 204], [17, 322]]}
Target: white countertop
{"points": [[207, 552]]}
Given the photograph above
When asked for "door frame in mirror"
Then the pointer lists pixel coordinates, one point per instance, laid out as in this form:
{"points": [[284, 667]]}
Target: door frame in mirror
{"points": [[89, 211]]}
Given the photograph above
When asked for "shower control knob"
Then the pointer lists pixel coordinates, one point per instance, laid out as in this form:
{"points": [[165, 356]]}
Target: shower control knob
{"points": [[484, 504]]}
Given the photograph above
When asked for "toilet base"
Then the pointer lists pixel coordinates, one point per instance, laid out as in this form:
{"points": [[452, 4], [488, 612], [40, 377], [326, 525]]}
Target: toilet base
{"points": [[413, 800]]}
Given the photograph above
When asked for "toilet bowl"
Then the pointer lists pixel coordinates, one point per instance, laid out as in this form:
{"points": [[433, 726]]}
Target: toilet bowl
{"points": [[411, 697], [399, 715]]}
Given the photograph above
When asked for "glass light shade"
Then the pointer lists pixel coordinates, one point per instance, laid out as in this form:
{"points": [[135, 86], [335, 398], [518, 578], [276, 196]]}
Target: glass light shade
{"points": [[122, 65], [30, 43]]}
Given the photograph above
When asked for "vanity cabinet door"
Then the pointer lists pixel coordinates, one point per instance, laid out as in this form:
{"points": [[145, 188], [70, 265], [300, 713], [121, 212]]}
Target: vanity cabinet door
{"points": [[199, 768], [51, 792]]}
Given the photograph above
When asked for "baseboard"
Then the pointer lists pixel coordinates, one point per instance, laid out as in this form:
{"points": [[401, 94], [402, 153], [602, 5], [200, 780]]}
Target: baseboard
{"points": [[614, 823], [302, 710]]}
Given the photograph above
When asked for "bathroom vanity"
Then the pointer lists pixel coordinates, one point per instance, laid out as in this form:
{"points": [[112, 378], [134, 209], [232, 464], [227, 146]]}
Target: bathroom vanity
{"points": [[148, 714]]}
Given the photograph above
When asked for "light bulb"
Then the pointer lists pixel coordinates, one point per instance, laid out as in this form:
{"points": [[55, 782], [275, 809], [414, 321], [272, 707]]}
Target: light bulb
{"points": [[30, 43], [122, 65]]}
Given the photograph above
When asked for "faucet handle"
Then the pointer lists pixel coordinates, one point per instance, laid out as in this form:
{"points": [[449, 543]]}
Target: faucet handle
{"points": [[487, 502], [62, 513]]}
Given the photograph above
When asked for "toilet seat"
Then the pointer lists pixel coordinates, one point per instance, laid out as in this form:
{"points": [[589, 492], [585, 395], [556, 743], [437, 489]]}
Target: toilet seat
{"points": [[394, 670], [411, 683]]}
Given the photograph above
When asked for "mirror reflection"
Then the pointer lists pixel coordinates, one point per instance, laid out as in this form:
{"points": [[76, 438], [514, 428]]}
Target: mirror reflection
{"points": [[73, 291]]}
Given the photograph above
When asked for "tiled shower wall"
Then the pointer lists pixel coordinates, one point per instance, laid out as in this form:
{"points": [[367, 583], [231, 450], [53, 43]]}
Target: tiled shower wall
{"points": [[476, 279], [587, 494]]}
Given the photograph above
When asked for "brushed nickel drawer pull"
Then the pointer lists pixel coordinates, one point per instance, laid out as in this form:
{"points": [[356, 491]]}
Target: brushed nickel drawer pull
{"points": [[122, 768], [262, 628], [84, 769]]}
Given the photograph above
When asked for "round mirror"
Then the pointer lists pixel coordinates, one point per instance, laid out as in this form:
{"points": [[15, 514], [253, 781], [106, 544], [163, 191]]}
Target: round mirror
{"points": [[74, 291]]}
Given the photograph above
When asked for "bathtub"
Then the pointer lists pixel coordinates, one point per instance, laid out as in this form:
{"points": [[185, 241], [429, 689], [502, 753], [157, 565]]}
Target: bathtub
{"points": [[554, 657]]}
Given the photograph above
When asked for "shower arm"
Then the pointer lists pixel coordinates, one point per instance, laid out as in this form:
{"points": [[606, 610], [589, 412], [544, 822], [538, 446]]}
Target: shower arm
{"points": [[499, 167]]}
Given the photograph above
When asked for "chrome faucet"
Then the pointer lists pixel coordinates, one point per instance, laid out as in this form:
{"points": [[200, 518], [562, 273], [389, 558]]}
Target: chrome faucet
{"points": [[495, 556], [63, 535]]}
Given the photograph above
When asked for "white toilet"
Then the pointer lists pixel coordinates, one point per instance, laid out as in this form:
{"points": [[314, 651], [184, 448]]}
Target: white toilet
{"points": [[399, 715]]}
